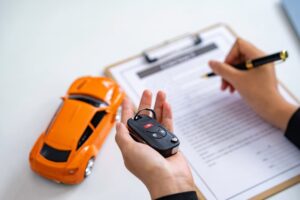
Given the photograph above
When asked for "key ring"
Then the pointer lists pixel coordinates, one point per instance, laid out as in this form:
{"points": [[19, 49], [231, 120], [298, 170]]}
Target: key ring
{"points": [[147, 109]]}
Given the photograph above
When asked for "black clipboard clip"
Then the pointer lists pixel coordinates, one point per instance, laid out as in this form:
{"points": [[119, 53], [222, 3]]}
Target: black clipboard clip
{"points": [[170, 47]]}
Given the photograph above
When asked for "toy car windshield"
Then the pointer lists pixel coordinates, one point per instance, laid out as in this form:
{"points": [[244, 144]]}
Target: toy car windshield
{"points": [[89, 100]]}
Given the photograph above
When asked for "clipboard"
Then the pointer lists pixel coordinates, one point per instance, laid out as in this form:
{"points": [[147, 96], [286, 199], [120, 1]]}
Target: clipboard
{"points": [[194, 38]]}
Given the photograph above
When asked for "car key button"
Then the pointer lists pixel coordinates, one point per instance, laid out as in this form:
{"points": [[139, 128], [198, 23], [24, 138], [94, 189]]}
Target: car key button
{"points": [[161, 132]]}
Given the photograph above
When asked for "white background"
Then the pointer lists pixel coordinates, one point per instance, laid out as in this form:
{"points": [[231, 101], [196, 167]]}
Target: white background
{"points": [[46, 44]]}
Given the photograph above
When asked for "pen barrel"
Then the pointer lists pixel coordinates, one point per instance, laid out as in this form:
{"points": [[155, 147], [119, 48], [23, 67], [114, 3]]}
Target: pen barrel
{"points": [[259, 61], [250, 64], [265, 60], [241, 66]]}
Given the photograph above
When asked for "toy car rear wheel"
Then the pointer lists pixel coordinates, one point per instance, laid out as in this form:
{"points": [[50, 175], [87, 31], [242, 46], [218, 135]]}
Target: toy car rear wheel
{"points": [[89, 167]]}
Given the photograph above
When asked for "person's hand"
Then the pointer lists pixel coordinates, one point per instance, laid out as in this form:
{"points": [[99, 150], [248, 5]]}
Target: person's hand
{"points": [[258, 87], [162, 176]]}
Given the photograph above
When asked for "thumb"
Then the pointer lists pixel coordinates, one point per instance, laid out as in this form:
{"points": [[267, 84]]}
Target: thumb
{"points": [[122, 137], [227, 72]]}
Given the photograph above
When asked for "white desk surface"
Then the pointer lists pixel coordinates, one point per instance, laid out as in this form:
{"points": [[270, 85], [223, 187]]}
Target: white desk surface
{"points": [[46, 44]]}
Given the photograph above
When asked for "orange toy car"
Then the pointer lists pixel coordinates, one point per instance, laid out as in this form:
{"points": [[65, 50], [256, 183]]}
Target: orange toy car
{"points": [[66, 151]]}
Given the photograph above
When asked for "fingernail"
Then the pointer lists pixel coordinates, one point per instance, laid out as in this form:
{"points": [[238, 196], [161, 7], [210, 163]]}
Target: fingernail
{"points": [[215, 66], [148, 92], [162, 93], [212, 63]]}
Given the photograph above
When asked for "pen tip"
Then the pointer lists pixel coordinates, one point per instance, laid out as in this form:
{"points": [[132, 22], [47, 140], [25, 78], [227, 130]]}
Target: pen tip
{"points": [[204, 76]]}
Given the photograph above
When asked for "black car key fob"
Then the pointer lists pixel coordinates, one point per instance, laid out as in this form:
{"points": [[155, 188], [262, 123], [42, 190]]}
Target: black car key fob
{"points": [[146, 129]]}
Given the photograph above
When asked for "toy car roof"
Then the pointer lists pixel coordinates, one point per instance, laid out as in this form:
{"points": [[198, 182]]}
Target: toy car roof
{"points": [[71, 120]]}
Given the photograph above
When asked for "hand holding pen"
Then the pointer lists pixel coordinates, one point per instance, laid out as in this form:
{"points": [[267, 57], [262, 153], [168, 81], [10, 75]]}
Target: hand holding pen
{"points": [[257, 87], [257, 62]]}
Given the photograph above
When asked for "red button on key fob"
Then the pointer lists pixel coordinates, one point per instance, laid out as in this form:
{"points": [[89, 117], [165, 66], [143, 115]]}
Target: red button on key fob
{"points": [[149, 125]]}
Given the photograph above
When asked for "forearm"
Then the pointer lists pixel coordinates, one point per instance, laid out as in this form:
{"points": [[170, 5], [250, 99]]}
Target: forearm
{"points": [[279, 112]]}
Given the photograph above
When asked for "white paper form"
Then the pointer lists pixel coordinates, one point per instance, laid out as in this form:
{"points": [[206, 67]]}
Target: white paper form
{"points": [[234, 154]]}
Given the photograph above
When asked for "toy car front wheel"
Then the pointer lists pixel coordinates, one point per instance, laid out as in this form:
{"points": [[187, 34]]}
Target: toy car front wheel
{"points": [[89, 167]]}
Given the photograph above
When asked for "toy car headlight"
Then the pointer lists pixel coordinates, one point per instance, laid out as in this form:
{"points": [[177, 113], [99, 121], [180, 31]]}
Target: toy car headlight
{"points": [[72, 171]]}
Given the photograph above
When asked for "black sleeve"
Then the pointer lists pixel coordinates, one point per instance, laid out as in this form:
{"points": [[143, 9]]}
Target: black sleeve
{"points": [[293, 130], [181, 196]]}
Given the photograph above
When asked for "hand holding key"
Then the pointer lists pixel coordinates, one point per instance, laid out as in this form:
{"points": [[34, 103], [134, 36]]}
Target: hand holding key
{"points": [[162, 176]]}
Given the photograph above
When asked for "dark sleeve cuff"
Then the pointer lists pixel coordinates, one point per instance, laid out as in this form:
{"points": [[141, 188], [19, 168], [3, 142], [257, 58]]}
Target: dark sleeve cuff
{"points": [[181, 196], [293, 129]]}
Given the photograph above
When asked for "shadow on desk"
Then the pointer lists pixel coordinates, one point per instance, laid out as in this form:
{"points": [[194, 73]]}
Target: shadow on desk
{"points": [[27, 185]]}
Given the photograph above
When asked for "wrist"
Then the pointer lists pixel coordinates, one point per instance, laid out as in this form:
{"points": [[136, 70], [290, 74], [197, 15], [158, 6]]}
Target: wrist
{"points": [[280, 111], [272, 107], [170, 185]]}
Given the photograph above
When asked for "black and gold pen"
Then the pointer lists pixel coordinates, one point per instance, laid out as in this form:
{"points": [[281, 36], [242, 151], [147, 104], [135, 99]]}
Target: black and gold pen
{"points": [[250, 64]]}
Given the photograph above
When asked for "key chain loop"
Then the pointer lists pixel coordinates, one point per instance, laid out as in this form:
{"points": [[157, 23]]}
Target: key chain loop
{"points": [[147, 109]]}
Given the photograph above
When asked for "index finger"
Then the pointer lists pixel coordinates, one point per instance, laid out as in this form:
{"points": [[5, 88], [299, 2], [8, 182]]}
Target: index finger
{"points": [[122, 137], [127, 110], [145, 100], [241, 51]]}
